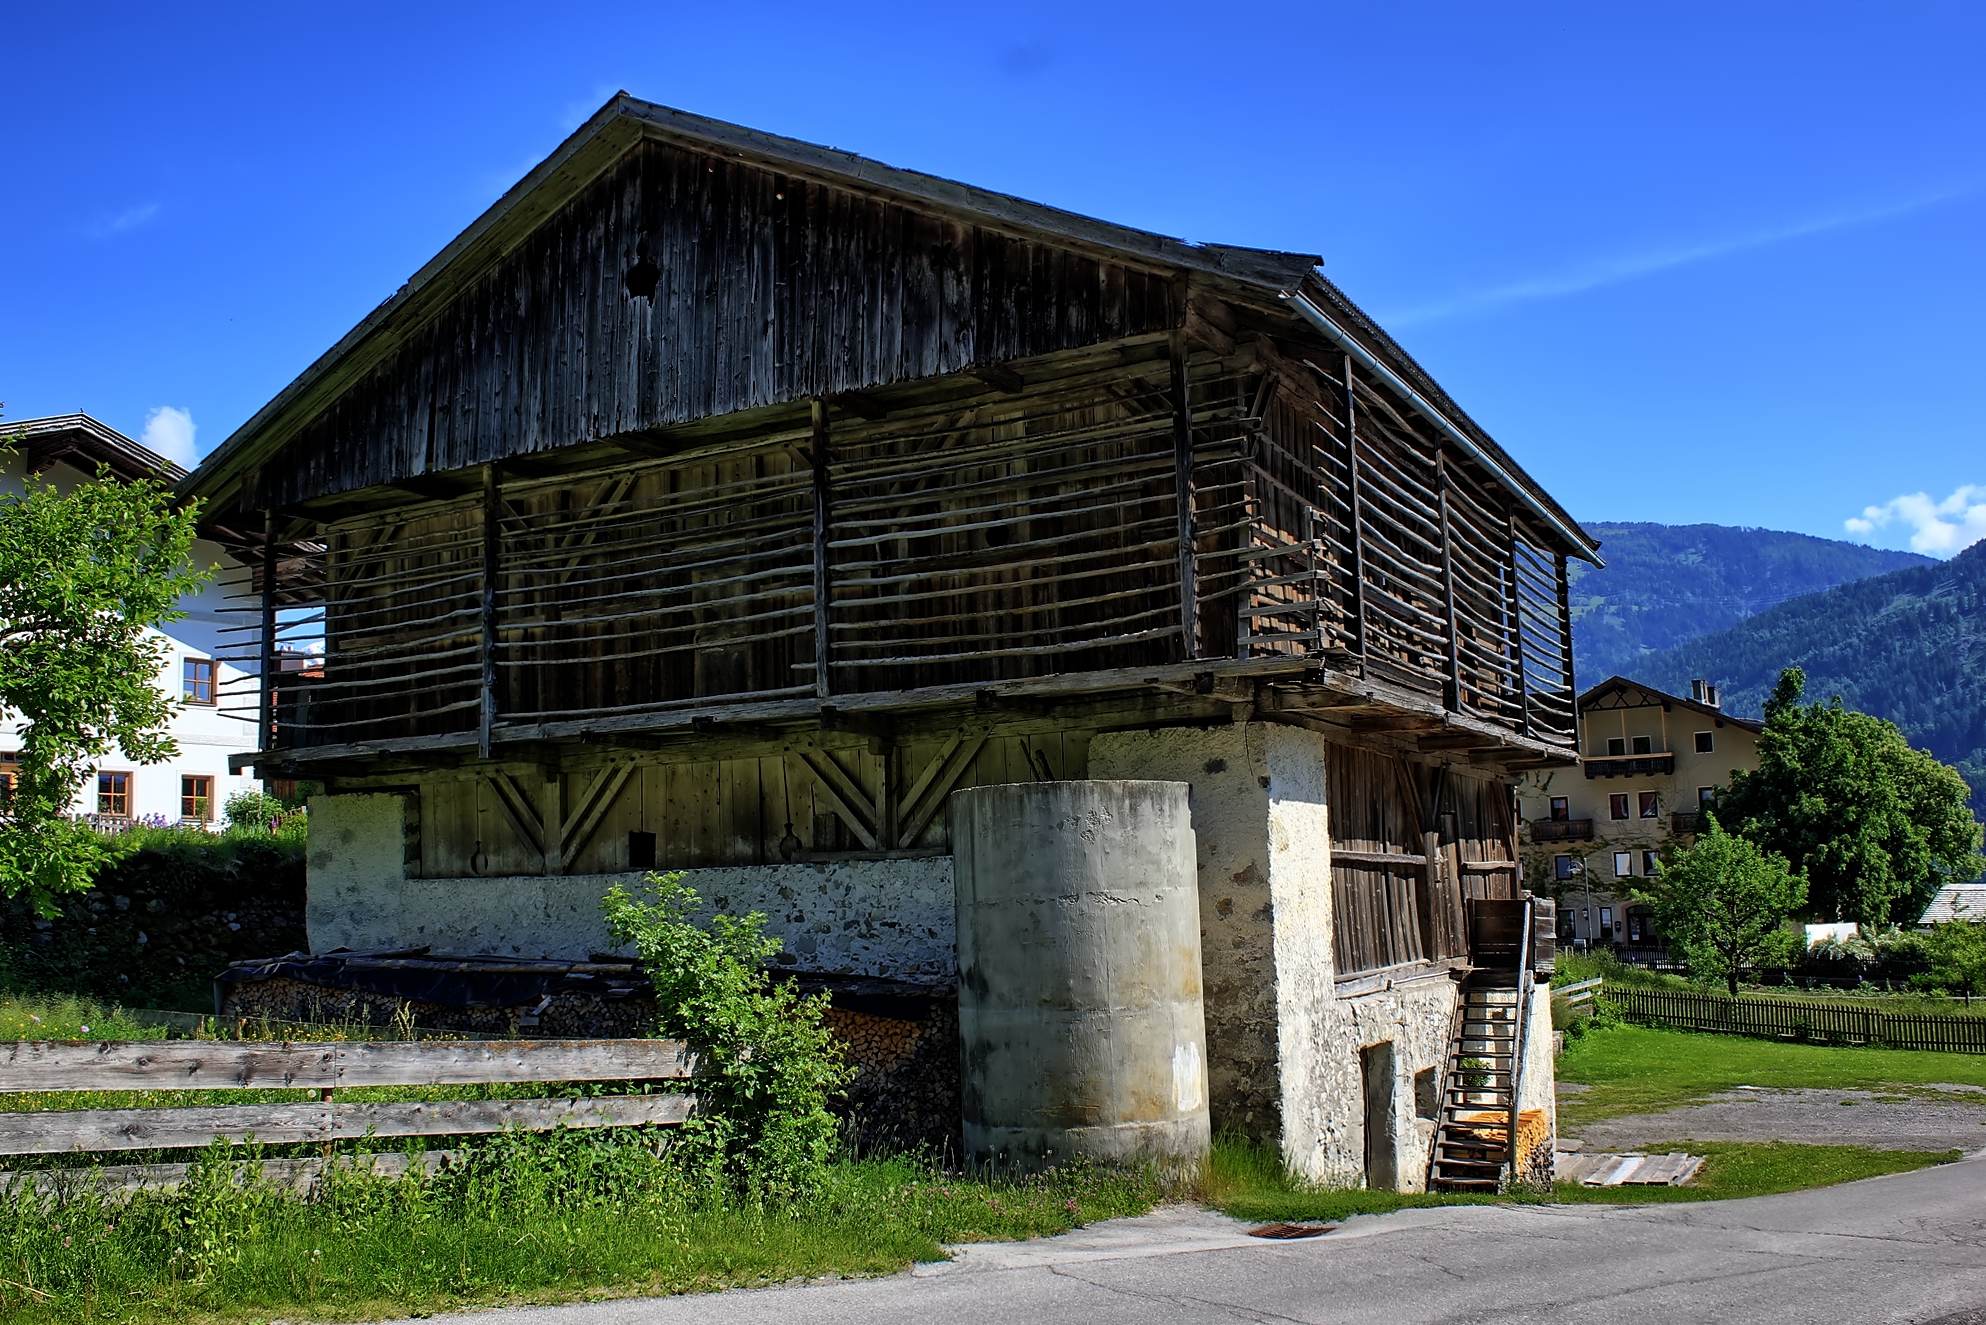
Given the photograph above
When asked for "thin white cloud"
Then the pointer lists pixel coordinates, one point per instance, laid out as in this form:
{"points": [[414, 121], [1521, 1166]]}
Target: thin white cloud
{"points": [[170, 431], [1627, 267], [1937, 528], [128, 219]]}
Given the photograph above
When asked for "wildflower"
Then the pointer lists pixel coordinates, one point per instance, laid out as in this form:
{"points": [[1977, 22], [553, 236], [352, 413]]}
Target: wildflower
{"points": [[86, 1030], [33, 1017]]}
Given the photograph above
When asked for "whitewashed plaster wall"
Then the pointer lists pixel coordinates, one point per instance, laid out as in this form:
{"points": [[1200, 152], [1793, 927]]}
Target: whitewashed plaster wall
{"points": [[888, 918]]}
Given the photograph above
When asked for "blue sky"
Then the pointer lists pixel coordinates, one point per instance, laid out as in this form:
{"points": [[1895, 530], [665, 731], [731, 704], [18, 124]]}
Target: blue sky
{"points": [[1687, 262]]}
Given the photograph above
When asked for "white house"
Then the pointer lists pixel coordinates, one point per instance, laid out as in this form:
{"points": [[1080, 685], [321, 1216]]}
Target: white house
{"points": [[216, 706]]}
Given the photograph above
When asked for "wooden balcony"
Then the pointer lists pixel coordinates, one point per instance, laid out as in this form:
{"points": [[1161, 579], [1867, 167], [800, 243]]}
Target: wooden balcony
{"points": [[1663, 765], [1561, 830], [1685, 821]]}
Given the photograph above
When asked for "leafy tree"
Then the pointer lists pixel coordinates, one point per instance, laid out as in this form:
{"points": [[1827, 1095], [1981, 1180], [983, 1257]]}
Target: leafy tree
{"points": [[1724, 902], [1956, 950], [83, 575], [767, 1063], [1875, 826]]}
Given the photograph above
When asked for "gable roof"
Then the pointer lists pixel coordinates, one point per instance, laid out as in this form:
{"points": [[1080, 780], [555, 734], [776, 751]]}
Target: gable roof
{"points": [[1285, 280], [84, 443], [1633, 694]]}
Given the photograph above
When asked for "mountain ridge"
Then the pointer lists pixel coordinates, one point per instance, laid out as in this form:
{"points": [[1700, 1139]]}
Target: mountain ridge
{"points": [[1909, 646], [1665, 585]]}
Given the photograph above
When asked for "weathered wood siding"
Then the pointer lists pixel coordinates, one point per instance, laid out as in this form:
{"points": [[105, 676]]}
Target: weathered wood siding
{"points": [[804, 803], [768, 289]]}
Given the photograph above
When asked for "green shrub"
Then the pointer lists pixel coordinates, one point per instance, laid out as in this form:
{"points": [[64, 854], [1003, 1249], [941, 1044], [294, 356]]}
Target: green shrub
{"points": [[767, 1064]]}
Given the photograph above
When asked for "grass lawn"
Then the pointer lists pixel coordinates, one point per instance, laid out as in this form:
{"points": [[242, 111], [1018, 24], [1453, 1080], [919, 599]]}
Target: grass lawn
{"points": [[1633, 1069]]}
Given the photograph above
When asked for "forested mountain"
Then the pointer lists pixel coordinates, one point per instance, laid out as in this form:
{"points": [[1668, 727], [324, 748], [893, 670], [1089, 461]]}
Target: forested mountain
{"points": [[1909, 646], [1666, 584]]}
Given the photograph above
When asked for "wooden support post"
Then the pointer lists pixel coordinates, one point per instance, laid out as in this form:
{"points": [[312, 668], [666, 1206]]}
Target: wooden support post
{"points": [[1448, 582], [492, 547], [1182, 470], [1514, 607], [1357, 501], [551, 821], [823, 493], [266, 714]]}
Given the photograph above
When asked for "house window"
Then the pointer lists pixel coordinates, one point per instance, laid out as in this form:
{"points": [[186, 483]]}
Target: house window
{"points": [[1617, 805], [1649, 808], [1623, 864], [196, 681], [1640, 925], [1561, 809], [1617, 745], [1561, 868], [114, 794], [1644, 745], [1649, 864], [196, 798], [10, 771], [1705, 743], [1706, 798]]}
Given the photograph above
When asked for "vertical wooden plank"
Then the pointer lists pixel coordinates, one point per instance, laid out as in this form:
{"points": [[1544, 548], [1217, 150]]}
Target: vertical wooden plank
{"points": [[1514, 612], [1448, 581], [1559, 572], [266, 717], [492, 533], [823, 587], [1357, 504], [1184, 497], [551, 810]]}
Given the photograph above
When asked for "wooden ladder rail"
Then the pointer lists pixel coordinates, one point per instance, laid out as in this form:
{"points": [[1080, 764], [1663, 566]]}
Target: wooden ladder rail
{"points": [[1456, 1023], [1519, 1044]]}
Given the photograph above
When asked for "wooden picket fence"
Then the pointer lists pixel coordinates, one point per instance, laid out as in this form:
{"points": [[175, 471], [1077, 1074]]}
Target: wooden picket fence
{"points": [[155, 1065], [1797, 1019]]}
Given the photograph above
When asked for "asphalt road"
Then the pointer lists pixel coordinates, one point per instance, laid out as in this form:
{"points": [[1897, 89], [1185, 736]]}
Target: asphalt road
{"points": [[1906, 1248]]}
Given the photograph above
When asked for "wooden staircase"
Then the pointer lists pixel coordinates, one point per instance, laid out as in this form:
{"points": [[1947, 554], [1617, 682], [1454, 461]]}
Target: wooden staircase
{"points": [[1472, 1142]]}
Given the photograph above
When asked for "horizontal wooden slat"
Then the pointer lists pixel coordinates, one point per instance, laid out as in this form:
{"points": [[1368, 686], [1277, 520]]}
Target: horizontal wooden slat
{"points": [[57, 1131], [299, 1175], [223, 1065], [1383, 859]]}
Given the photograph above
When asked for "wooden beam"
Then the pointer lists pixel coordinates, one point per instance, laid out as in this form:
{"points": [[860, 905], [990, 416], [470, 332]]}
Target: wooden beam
{"points": [[266, 716], [593, 805], [855, 809], [63, 1131], [861, 405], [487, 607], [1183, 487], [517, 810], [944, 772], [1357, 503], [1448, 580], [66, 1065], [999, 377], [823, 588], [1514, 609]]}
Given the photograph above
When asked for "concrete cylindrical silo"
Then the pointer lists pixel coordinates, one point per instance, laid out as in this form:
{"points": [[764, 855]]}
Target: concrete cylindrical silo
{"points": [[1080, 1010]]}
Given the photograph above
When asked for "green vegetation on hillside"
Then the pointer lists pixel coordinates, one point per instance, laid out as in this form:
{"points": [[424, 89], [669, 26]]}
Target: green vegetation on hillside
{"points": [[1667, 584], [1909, 646]]}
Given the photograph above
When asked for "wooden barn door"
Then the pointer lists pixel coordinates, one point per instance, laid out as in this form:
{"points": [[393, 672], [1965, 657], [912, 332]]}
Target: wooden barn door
{"points": [[1380, 886]]}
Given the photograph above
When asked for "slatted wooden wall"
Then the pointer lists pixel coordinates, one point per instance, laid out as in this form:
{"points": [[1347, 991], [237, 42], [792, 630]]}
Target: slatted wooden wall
{"points": [[767, 290]]}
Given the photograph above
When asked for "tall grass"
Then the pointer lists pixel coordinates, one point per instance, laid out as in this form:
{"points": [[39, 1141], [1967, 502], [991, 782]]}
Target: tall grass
{"points": [[521, 1217]]}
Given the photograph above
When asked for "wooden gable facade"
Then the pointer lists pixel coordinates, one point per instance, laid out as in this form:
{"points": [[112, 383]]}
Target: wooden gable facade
{"points": [[751, 496]]}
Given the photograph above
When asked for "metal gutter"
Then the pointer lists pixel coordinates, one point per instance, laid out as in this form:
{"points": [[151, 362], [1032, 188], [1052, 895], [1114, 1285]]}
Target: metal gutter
{"points": [[1343, 339]]}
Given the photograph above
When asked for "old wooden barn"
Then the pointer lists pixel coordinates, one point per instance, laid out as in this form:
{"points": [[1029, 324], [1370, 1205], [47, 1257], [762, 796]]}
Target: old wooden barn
{"points": [[721, 502]]}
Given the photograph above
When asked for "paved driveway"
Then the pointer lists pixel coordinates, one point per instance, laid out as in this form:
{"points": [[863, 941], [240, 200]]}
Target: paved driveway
{"points": [[1909, 1247]]}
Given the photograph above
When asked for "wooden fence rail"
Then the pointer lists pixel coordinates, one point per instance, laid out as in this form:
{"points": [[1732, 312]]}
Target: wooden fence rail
{"points": [[1797, 1019], [326, 1067]]}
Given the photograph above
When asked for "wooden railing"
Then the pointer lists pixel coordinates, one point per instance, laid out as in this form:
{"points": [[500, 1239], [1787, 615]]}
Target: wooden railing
{"points": [[1561, 830], [1685, 821], [149, 1065], [1798, 1019]]}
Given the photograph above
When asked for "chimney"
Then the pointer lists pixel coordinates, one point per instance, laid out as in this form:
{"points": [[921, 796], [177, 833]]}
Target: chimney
{"points": [[1705, 693]]}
